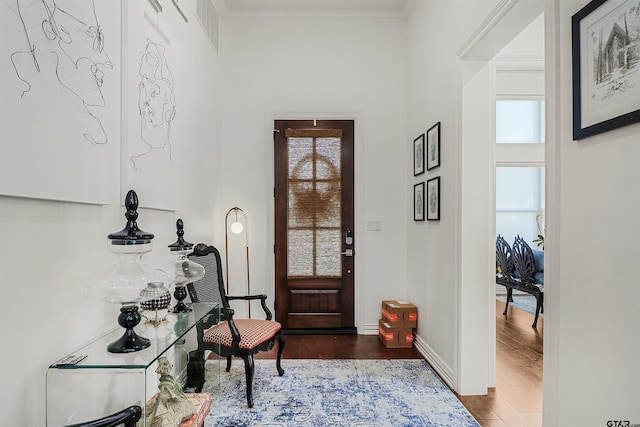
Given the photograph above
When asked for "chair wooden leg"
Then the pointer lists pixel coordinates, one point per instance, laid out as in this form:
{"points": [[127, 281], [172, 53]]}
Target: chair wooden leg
{"points": [[280, 350], [509, 298], [248, 372], [228, 363], [195, 372]]}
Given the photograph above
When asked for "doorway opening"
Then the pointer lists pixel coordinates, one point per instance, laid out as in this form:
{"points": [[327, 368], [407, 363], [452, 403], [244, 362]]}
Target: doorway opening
{"points": [[520, 210], [496, 47]]}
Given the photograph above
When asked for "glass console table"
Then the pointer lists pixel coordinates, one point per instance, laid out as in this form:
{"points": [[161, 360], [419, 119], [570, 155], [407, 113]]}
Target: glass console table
{"points": [[104, 383]]}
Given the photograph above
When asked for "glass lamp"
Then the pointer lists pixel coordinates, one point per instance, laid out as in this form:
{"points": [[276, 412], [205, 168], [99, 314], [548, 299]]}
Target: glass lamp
{"points": [[124, 282], [182, 270]]}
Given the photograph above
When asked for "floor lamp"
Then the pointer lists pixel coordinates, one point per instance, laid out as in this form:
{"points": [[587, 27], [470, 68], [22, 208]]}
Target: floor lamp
{"points": [[236, 235]]}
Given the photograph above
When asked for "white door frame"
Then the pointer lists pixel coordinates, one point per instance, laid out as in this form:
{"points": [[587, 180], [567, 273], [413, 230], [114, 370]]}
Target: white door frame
{"points": [[475, 292]]}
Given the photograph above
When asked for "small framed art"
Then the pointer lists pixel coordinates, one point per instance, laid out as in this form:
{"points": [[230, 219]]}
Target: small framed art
{"points": [[606, 66], [418, 155], [418, 202], [433, 147], [433, 199]]}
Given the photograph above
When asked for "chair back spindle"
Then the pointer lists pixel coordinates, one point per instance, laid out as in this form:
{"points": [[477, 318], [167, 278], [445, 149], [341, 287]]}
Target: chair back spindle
{"points": [[523, 260], [504, 257], [210, 288]]}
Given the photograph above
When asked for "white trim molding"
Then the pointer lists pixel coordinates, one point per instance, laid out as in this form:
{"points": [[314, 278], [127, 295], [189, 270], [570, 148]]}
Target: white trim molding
{"points": [[486, 40], [439, 365], [369, 329]]}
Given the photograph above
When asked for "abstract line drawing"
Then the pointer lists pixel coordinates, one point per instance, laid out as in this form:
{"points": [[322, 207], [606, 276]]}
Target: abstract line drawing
{"points": [[64, 39], [156, 102]]}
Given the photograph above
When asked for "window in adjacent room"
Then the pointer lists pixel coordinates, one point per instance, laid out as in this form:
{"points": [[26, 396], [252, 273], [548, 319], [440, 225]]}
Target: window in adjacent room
{"points": [[520, 168], [520, 202], [520, 121]]}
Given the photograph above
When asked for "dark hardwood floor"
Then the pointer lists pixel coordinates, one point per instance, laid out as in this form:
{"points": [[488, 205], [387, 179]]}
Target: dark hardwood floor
{"points": [[339, 347], [516, 401]]}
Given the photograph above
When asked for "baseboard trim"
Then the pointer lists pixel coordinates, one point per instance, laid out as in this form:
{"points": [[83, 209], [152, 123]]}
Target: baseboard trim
{"points": [[441, 368], [370, 329]]}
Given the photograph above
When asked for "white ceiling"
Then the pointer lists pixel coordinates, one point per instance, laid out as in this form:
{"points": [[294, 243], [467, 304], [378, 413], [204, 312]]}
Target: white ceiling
{"points": [[310, 6]]}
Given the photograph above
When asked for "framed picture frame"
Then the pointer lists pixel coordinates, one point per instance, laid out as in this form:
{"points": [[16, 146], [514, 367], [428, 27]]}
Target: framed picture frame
{"points": [[433, 199], [418, 155], [418, 202], [606, 66], [433, 147], [151, 148]]}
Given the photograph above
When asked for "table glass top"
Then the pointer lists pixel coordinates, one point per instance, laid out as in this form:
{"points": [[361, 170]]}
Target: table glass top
{"points": [[162, 338]]}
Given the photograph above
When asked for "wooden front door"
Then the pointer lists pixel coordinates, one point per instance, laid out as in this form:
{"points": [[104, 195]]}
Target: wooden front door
{"points": [[314, 225]]}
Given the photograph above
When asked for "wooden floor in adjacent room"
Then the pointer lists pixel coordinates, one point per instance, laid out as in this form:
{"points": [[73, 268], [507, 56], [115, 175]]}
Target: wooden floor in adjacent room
{"points": [[516, 401]]}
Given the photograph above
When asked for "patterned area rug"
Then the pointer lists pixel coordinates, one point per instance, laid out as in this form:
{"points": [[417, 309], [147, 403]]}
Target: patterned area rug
{"points": [[336, 393], [523, 302]]}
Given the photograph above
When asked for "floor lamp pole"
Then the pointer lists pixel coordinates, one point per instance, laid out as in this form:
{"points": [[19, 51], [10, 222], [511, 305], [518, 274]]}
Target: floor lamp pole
{"points": [[237, 227]]}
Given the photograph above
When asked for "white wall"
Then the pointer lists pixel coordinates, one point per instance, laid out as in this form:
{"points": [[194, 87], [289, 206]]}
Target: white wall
{"points": [[50, 248], [437, 29], [592, 300], [278, 67]]}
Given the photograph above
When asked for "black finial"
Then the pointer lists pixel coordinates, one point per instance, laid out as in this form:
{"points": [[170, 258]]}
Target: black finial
{"points": [[131, 234], [180, 228], [180, 244]]}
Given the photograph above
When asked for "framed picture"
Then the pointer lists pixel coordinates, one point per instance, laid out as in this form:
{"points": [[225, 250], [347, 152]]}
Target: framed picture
{"points": [[606, 66], [68, 82], [433, 199], [433, 147], [418, 202], [418, 155]]}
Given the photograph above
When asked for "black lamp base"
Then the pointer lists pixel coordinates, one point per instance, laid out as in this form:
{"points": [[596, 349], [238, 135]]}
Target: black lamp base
{"points": [[129, 341], [180, 293]]}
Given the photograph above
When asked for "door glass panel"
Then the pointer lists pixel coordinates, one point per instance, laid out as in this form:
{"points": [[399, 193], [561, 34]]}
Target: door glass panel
{"points": [[329, 148], [298, 149], [300, 253], [330, 208], [327, 257], [314, 206]]}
